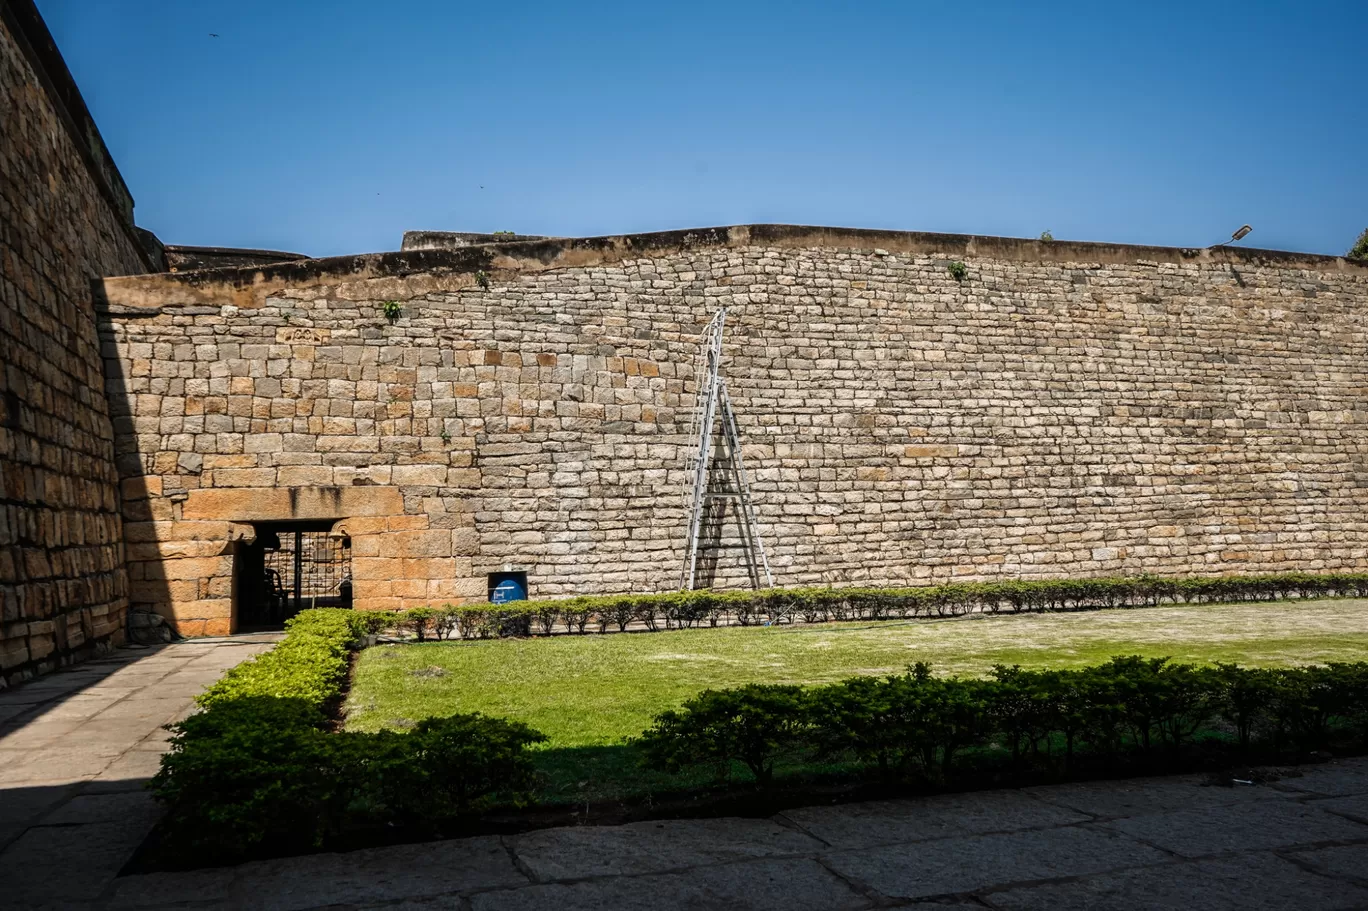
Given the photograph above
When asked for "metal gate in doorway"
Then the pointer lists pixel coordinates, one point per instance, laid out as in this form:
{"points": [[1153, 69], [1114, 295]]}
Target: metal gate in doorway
{"points": [[289, 569]]}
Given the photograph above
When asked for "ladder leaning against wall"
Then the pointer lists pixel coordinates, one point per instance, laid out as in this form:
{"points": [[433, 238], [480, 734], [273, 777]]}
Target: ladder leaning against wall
{"points": [[708, 493]]}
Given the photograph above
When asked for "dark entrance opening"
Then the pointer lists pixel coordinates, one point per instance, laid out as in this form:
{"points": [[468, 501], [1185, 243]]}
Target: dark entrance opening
{"points": [[288, 568]]}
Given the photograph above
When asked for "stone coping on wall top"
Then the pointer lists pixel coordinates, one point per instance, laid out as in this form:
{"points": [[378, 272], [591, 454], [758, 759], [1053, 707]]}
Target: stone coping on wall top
{"points": [[248, 286]]}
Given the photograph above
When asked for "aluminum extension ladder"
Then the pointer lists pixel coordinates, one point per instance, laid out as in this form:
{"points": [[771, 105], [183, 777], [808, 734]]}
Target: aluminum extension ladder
{"points": [[706, 496]]}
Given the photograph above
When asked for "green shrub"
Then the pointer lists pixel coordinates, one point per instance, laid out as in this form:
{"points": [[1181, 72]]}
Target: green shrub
{"points": [[1241, 698], [310, 663], [683, 610], [1360, 248], [915, 722], [419, 621], [449, 767], [258, 770], [250, 771], [753, 724]]}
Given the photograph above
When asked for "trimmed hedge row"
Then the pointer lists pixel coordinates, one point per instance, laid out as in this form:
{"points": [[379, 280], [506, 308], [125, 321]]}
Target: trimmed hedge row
{"points": [[916, 724], [259, 770], [682, 610]]}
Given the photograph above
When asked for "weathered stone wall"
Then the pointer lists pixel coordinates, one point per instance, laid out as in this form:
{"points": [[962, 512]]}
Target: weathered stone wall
{"points": [[1063, 410], [63, 588]]}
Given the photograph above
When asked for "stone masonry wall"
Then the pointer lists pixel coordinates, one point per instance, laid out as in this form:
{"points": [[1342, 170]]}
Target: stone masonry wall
{"points": [[63, 587], [1044, 417]]}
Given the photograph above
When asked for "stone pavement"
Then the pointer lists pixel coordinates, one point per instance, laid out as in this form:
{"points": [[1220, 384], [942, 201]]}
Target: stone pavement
{"points": [[1158, 843], [76, 748]]}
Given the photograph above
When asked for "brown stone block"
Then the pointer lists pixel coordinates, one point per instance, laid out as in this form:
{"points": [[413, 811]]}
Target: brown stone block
{"points": [[364, 591], [365, 545], [150, 550], [406, 523], [363, 526], [243, 477], [930, 452], [410, 588], [195, 567], [305, 476], [375, 568], [207, 609], [465, 542], [419, 475], [195, 627], [277, 504], [13, 652], [429, 568], [415, 544], [439, 590], [196, 531], [140, 488], [464, 477], [214, 462]]}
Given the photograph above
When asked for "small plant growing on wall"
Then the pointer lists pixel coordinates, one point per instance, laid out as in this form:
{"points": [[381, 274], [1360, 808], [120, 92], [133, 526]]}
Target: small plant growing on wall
{"points": [[392, 310], [1046, 236], [482, 279], [958, 271], [1360, 249], [504, 233], [446, 436]]}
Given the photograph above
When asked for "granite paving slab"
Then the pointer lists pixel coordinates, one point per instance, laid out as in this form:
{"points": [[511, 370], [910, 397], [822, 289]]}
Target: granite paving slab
{"points": [[1253, 882], [956, 865], [771, 885], [652, 847], [884, 822], [1241, 827]]}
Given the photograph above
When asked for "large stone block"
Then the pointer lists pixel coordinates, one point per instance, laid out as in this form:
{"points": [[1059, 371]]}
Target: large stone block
{"points": [[275, 504]]}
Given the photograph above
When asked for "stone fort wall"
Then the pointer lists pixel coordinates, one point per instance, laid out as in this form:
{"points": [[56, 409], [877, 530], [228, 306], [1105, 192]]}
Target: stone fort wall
{"points": [[65, 220], [1064, 410]]}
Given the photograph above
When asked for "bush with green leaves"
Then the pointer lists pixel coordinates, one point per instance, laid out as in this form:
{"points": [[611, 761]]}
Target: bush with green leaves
{"points": [[449, 767], [309, 664], [684, 610], [258, 770], [753, 725], [1359, 250], [1149, 710]]}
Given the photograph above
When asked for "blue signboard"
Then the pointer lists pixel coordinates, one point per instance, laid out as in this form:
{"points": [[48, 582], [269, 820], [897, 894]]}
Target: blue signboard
{"points": [[505, 587]]}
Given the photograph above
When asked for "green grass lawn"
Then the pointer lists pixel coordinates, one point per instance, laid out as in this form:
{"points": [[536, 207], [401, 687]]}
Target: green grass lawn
{"points": [[589, 694]]}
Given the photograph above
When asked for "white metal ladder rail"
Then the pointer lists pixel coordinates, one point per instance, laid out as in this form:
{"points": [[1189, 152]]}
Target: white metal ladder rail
{"points": [[712, 392]]}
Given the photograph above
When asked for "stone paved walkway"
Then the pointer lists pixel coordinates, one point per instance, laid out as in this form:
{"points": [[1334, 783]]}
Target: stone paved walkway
{"points": [[76, 748]]}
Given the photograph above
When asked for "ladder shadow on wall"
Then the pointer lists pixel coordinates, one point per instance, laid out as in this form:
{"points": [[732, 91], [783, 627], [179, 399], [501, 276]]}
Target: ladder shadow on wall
{"points": [[725, 552]]}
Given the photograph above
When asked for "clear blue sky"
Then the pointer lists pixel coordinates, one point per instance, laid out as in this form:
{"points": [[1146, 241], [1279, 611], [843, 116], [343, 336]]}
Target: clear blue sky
{"points": [[332, 127]]}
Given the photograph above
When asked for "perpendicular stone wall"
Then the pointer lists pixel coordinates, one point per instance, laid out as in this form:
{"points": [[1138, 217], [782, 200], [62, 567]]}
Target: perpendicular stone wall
{"points": [[63, 587], [1064, 410]]}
